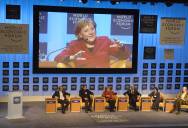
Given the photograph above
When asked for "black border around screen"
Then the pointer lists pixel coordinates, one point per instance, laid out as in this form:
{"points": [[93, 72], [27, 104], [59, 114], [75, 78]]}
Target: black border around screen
{"points": [[37, 9]]}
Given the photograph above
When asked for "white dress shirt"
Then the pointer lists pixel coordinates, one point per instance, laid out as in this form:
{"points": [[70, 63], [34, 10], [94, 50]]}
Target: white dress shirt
{"points": [[61, 95]]}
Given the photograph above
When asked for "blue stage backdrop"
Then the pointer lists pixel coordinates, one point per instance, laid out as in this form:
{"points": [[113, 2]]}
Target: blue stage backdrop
{"points": [[168, 75]]}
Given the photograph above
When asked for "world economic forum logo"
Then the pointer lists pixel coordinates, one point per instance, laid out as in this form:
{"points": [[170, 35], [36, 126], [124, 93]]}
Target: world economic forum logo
{"points": [[16, 100], [122, 25], [43, 21], [73, 18]]}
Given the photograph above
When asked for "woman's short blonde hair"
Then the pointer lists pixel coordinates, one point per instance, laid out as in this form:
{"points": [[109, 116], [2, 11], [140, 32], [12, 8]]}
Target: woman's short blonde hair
{"points": [[82, 23]]}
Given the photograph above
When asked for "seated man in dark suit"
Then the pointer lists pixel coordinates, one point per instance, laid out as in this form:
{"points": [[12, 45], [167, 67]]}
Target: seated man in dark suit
{"points": [[155, 95], [85, 94], [61, 94], [133, 96]]}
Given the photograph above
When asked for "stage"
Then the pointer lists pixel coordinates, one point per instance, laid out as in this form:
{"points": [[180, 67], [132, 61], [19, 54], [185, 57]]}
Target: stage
{"points": [[35, 117]]}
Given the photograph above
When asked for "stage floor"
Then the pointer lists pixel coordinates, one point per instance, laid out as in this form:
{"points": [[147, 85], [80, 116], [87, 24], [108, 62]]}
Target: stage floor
{"points": [[35, 117]]}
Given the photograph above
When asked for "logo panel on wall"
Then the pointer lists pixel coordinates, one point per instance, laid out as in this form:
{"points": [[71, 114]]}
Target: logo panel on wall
{"points": [[17, 100], [13, 12], [43, 21], [149, 52], [122, 25], [14, 38], [148, 23], [169, 54], [73, 18], [172, 30]]}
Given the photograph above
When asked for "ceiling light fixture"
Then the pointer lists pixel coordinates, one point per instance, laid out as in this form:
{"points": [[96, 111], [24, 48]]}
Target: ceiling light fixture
{"points": [[115, 2]]}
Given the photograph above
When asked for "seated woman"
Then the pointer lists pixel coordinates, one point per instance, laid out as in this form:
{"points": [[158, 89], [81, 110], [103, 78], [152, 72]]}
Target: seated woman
{"points": [[155, 95], [181, 99], [110, 97], [133, 96], [88, 48], [85, 94], [61, 95]]}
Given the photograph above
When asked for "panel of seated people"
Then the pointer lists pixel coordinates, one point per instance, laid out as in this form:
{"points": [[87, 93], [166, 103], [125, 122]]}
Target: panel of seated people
{"points": [[76, 104], [99, 104], [113, 102]]}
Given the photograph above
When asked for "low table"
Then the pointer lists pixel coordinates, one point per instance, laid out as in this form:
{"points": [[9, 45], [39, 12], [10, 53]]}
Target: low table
{"points": [[169, 104], [50, 104], [146, 104], [99, 104], [122, 104], [75, 104]]}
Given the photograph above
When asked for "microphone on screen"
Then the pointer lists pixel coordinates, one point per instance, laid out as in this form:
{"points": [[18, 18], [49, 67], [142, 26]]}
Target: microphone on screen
{"points": [[54, 51]]}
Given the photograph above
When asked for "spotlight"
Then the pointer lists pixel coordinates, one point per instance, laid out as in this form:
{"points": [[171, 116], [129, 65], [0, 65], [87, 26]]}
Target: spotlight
{"points": [[98, 1], [83, 1], [114, 2], [168, 4]]}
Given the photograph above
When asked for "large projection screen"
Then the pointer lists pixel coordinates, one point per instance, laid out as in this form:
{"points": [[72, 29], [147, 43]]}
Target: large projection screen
{"points": [[84, 40]]}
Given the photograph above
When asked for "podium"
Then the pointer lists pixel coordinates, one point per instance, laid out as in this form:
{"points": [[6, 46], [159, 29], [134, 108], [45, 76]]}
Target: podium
{"points": [[123, 103], [169, 104], [75, 104], [50, 104], [146, 104], [15, 106], [99, 104]]}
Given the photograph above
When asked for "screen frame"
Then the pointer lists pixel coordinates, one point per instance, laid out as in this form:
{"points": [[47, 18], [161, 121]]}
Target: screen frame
{"points": [[38, 70]]}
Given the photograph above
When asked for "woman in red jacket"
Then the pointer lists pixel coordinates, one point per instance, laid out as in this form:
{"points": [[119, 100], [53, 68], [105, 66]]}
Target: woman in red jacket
{"points": [[110, 97], [90, 51]]}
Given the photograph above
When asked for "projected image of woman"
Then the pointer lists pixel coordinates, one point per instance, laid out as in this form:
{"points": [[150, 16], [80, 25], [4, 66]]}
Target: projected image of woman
{"points": [[90, 51]]}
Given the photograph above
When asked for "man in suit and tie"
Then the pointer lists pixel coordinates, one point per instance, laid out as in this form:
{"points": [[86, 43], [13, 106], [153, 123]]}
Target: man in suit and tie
{"points": [[85, 94], [134, 95], [61, 95]]}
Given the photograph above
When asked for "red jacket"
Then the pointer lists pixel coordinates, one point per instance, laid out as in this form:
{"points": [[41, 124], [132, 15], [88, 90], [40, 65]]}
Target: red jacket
{"points": [[99, 57], [109, 95]]}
